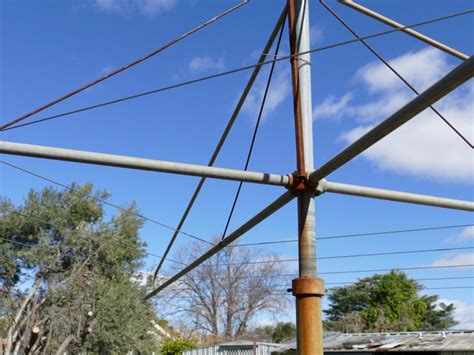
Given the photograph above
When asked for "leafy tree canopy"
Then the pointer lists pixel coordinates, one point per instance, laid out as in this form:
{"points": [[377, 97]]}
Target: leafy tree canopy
{"points": [[67, 275], [387, 302], [284, 332], [176, 346]]}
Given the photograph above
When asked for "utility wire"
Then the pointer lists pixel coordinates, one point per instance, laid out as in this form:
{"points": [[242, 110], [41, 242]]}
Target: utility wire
{"points": [[128, 66], [357, 235], [42, 177], [236, 70], [255, 131], [288, 294], [399, 252], [340, 272], [389, 66]]}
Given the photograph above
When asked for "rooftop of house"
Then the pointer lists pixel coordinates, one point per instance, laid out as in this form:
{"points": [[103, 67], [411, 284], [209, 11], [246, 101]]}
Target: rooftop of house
{"points": [[396, 342]]}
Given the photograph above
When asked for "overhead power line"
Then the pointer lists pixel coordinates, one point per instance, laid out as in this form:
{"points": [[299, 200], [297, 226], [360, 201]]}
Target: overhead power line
{"points": [[356, 235], [389, 66], [236, 70], [289, 294], [361, 271], [400, 252], [105, 202], [125, 67]]}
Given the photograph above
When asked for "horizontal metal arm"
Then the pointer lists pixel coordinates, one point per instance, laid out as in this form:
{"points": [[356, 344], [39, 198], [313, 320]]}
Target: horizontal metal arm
{"points": [[252, 222], [382, 194], [78, 156], [409, 31], [441, 88]]}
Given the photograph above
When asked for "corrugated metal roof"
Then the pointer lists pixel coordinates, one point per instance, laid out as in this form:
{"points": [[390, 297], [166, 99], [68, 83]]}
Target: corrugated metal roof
{"points": [[395, 342], [235, 348]]}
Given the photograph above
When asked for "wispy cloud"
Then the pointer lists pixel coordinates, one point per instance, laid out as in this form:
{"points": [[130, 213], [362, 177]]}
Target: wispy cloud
{"points": [[143, 7], [455, 259], [466, 234], [424, 147], [279, 91], [332, 107], [204, 64]]}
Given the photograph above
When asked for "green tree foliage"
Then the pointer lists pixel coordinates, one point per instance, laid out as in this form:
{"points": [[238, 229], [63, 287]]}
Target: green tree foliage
{"points": [[284, 332], [67, 275], [387, 302], [176, 346]]}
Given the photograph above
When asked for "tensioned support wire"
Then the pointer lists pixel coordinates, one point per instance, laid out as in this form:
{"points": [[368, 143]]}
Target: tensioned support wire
{"points": [[254, 136], [389, 66], [230, 123], [125, 67], [236, 70]]}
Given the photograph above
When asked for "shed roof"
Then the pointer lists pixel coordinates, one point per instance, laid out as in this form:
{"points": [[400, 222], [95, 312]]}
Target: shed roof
{"points": [[395, 342]]}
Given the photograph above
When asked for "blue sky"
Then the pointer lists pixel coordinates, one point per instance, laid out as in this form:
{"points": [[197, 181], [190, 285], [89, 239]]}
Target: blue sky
{"points": [[49, 48]]}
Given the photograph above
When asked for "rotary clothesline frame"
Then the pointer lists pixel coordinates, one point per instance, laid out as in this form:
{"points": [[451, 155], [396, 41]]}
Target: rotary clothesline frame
{"points": [[304, 184]]}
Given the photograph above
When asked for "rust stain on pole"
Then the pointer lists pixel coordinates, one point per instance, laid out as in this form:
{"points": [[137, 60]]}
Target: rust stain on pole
{"points": [[301, 170], [307, 289], [308, 293]]}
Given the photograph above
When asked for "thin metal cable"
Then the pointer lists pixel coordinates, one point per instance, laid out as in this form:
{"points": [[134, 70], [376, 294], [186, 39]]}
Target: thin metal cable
{"points": [[128, 66], [291, 295], [213, 76], [224, 136], [400, 252], [255, 131], [101, 200], [364, 271], [389, 66], [357, 235]]}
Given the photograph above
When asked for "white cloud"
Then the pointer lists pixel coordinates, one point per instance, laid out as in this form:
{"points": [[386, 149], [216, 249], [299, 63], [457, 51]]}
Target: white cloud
{"points": [[425, 146], [420, 69], [144, 7], [466, 234], [203, 64], [332, 107], [279, 90], [455, 259], [464, 313]]}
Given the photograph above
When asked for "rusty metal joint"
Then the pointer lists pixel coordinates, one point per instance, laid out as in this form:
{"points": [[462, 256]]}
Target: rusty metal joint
{"points": [[308, 286], [298, 183]]}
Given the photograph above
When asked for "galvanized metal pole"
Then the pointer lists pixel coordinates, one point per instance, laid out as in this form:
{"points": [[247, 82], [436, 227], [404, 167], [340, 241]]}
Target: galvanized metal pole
{"points": [[383, 194], [121, 161], [307, 289], [409, 31]]}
